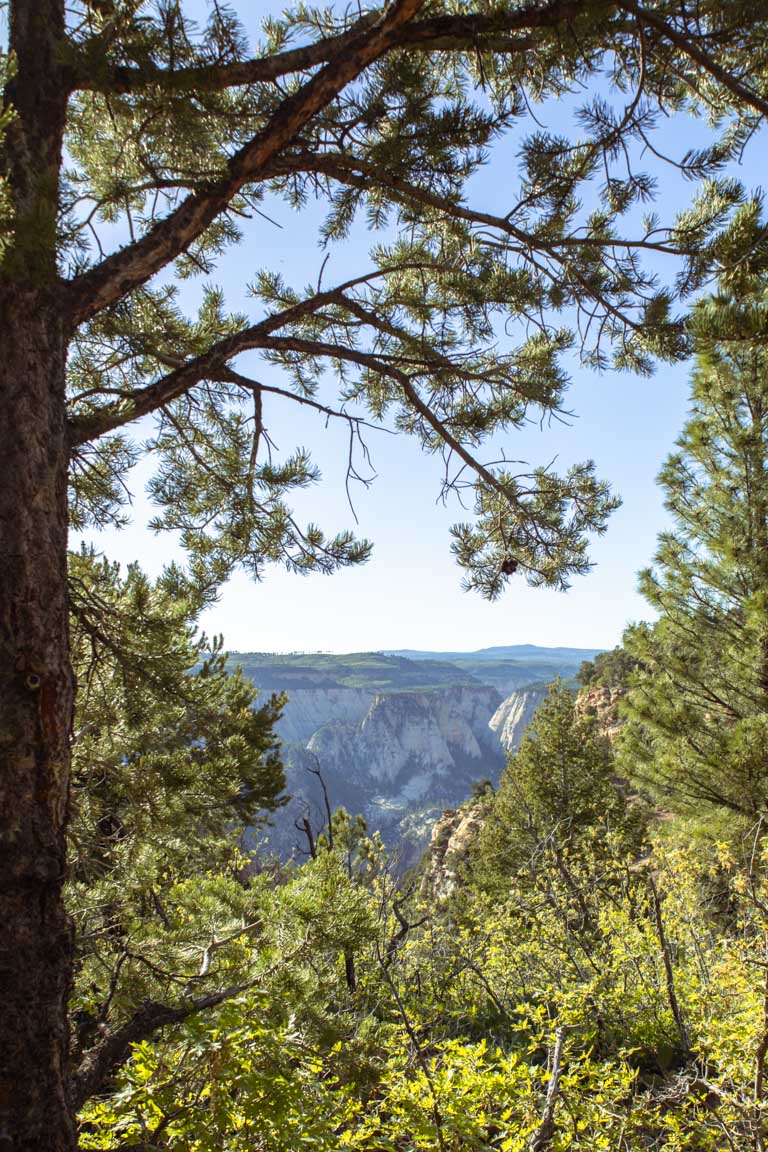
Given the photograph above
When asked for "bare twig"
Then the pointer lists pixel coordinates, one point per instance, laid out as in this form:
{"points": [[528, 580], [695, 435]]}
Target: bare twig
{"points": [[674, 1004], [542, 1137]]}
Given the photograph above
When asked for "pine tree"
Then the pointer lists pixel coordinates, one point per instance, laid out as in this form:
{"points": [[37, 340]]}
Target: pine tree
{"points": [[171, 763], [170, 754], [700, 701], [133, 145], [556, 793]]}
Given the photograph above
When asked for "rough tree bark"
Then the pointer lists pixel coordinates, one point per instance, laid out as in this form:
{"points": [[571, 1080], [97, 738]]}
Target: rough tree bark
{"points": [[36, 687], [36, 694]]}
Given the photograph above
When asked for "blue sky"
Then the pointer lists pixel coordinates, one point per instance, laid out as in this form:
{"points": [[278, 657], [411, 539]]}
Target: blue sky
{"points": [[409, 594]]}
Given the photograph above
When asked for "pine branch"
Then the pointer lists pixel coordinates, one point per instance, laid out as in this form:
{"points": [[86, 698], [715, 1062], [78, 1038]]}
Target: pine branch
{"points": [[177, 383], [122, 272], [114, 1048], [356, 172], [385, 368], [185, 374], [229, 376], [212, 366], [448, 33], [124, 79], [699, 55], [359, 174]]}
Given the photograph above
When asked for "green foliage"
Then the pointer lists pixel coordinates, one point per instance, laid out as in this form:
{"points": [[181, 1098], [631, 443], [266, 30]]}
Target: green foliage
{"points": [[609, 669], [556, 794], [171, 761], [162, 117], [240, 1078], [450, 1046], [700, 722], [164, 736]]}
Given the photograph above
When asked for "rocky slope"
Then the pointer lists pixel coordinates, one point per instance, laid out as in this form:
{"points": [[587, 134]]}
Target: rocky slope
{"points": [[452, 837], [429, 732], [602, 702]]}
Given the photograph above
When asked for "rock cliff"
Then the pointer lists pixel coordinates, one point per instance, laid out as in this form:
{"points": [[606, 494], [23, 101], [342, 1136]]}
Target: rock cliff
{"points": [[514, 714], [407, 758], [308, 709], [450, 843], [397, 739], [433, 732], [602, 702]]}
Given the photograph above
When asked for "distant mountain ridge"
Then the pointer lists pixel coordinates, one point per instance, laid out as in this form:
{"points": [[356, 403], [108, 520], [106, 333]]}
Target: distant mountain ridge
{"points": [[510, 667], [524, 652]]}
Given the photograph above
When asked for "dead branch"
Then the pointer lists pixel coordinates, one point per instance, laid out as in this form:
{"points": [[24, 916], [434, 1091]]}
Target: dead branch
{"points": [[546, 1129]]}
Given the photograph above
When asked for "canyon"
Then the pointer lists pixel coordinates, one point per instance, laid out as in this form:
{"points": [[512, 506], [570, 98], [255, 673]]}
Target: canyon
{"points": [[396, 737]]}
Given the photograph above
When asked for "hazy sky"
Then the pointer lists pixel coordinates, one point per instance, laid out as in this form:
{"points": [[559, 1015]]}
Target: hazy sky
{"points": [[409, 594]]}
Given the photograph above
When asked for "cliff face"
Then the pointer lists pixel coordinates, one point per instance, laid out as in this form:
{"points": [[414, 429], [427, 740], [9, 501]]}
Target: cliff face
{"points": [[514, 714], [399, 762], [602, 702], [452, 838], [310, 708], [397, 740], [427, 732]]}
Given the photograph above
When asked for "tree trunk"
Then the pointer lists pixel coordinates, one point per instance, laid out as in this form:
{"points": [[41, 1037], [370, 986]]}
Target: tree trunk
{"points": [[36, 699], [36, 684]]}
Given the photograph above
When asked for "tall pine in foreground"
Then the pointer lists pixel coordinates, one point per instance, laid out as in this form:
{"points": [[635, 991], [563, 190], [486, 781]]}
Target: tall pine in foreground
{"points": [[135, 143], [700, 701]]}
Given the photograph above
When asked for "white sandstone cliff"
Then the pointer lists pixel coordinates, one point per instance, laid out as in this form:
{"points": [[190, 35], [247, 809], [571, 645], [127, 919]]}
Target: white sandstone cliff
{"points": [[399, 758], [310, 708], [514, 714]]}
